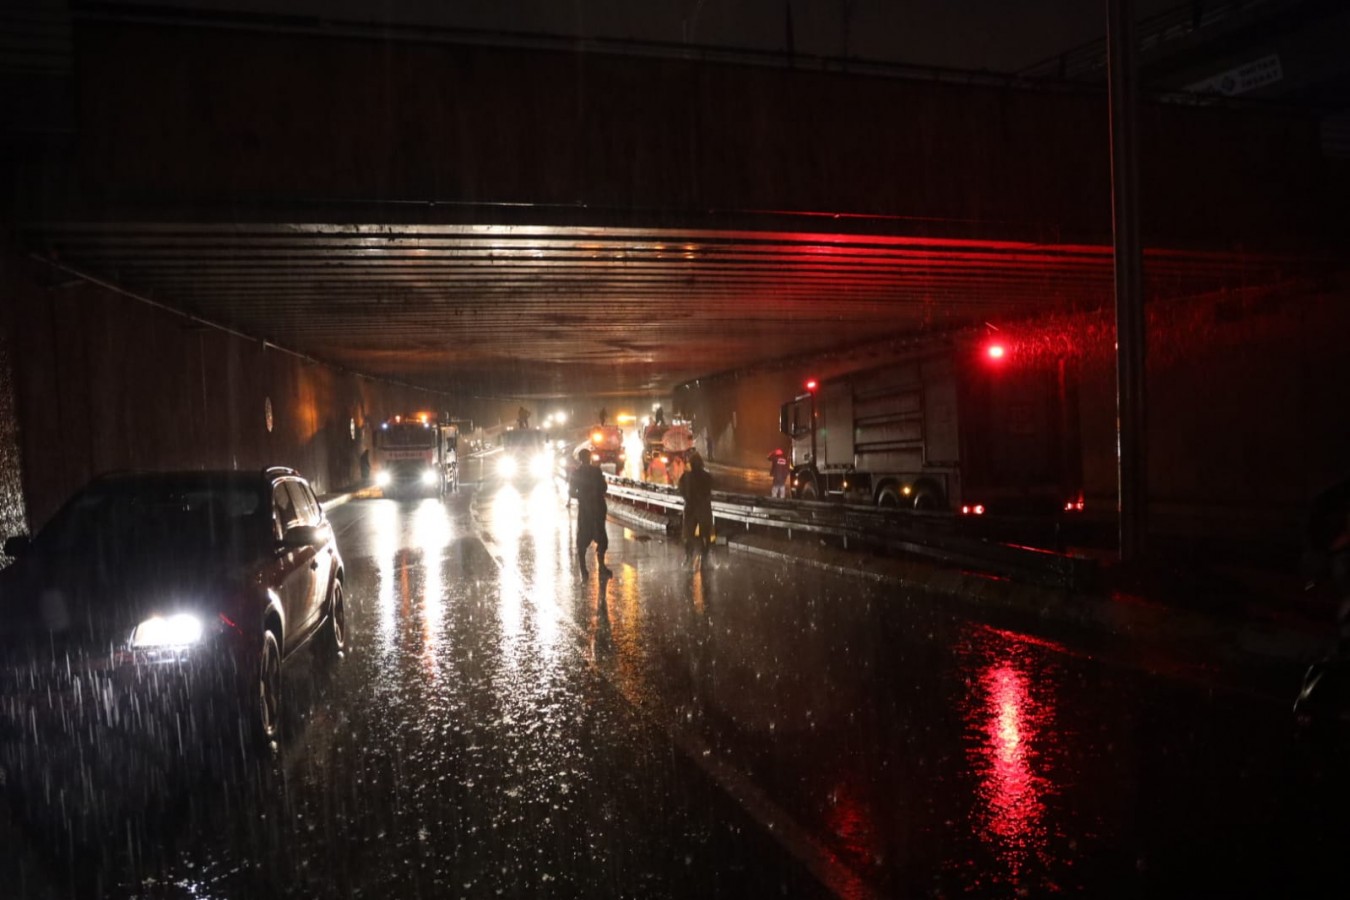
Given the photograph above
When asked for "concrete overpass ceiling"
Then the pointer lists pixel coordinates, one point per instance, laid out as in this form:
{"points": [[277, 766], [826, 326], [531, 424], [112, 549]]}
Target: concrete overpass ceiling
{"points": [[498, 240], [543, 311]]}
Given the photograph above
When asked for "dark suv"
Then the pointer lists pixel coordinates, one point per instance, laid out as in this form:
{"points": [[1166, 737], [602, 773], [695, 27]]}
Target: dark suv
{"points": [[152, 595]]}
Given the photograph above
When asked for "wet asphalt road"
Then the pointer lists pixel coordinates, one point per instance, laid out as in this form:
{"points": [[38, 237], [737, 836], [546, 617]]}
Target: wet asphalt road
{"points": [[504, 727]]}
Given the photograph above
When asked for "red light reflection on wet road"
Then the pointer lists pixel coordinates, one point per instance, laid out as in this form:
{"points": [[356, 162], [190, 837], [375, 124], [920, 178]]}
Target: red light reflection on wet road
{"points": [[1010, 746], [1010, 785]]}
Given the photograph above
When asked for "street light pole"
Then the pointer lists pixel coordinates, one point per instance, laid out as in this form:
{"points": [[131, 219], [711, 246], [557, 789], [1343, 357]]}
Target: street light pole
{"points": [[1130, 331]]}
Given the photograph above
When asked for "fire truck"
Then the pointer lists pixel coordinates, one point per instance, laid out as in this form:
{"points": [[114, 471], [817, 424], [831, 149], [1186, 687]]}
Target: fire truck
{"points": [[666, 450], [606, 446], [973, 427], [416, 454]]}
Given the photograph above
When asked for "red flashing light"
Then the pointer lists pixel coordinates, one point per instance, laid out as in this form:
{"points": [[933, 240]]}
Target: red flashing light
{"points": [[1074, 505], [995, 351], [811, 385]]}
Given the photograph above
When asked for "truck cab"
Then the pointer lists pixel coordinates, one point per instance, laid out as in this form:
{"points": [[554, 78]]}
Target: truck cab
{"points": [[415, 455]]}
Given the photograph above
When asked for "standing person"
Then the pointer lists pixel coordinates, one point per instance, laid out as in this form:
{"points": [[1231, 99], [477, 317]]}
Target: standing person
{"points": [[676, 468], [587, 485], [657, 473], [696, 489], [781, 470]]}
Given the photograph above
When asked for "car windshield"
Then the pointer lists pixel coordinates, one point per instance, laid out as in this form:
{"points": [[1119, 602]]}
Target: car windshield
{"points": [[519, 440], [133, 516], [406, 436]]}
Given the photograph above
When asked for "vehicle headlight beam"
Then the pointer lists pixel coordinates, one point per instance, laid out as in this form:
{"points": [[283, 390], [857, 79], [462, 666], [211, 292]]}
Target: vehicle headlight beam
{"points": [[179, 630]]}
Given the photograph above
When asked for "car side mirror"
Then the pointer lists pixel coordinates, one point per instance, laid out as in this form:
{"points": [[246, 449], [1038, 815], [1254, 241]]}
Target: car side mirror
{"points": [[18, 545], [302, 536]]}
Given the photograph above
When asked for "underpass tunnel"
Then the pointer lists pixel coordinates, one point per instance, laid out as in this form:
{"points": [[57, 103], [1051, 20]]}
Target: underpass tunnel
{"points": [[269, 278]]}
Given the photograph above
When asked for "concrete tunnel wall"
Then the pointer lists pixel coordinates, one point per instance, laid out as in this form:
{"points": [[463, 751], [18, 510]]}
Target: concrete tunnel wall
{"points": [[101, 382], [1247, 405]]}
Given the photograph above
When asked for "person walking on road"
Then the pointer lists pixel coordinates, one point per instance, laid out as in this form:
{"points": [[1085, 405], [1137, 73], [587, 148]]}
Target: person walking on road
{"points": [[781, 470], [587, 485], [696, 488]]}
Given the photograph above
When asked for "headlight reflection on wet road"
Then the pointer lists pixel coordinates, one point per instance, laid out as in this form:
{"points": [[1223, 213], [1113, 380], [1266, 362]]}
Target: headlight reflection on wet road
{"points": [[385, 531], [431, 533], [544, 515], [525, 529], [506, 521]]}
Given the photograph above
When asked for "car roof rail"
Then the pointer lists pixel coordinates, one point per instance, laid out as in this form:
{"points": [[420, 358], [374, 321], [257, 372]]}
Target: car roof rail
{"points": [[274, 471]]}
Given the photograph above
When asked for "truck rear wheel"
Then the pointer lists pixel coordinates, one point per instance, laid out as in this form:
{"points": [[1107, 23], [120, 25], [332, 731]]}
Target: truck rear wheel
{"points": [[888, 498], [928, 497]]}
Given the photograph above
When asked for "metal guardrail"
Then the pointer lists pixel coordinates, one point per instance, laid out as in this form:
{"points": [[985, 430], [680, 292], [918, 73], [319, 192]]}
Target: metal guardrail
{"points": [[929, 535]]}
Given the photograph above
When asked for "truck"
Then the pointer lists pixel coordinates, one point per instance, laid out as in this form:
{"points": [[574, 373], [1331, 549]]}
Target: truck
{"points": [[666, 450], [526, 455], [971, 427], [606, 446], [416, 454]]}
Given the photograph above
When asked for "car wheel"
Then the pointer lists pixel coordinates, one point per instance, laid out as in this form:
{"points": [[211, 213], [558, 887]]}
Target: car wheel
{"points": [[335, 639], [269, 689]]}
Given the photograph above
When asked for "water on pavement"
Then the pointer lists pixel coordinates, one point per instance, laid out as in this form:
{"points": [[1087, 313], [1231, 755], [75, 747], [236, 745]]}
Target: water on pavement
{"points": [[735, 727]]}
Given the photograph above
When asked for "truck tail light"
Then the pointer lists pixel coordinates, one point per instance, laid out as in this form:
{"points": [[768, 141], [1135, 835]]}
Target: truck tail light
{"points": [[972, 509]]}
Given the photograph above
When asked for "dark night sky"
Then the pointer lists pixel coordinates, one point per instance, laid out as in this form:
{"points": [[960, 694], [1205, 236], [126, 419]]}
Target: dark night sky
{"points": [[997, 35]]}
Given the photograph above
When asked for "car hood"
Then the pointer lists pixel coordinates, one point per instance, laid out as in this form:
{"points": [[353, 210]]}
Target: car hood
{"points": [[53, 602]]}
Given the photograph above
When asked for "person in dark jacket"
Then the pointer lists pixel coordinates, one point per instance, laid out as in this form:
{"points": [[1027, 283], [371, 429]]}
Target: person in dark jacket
{"points": [[587, 485], [696, 488]]}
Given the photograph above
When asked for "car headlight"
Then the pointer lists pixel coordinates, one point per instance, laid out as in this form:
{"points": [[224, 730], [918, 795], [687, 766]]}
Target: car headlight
{"points": [[507, 466], [382, 479], [429, 476], [540, 466], [171, 631]]}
